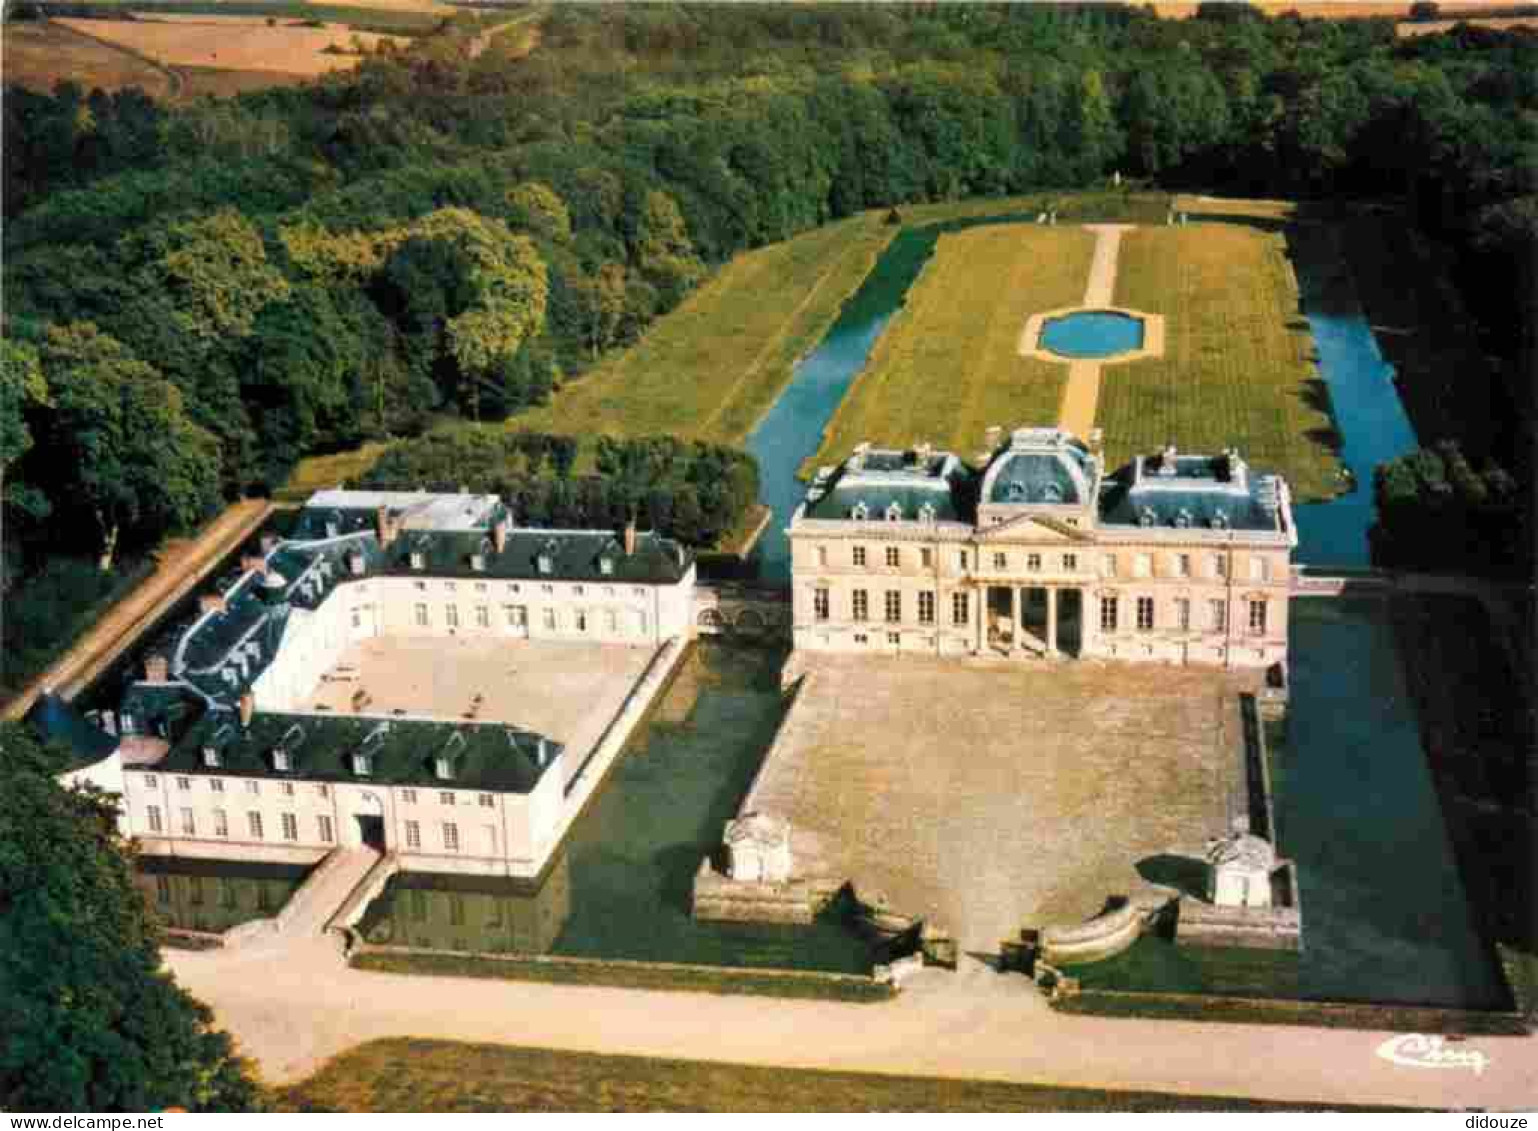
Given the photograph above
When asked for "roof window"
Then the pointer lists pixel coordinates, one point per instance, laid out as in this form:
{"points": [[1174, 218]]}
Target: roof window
{"points": [[859, 512], [894, 511]]}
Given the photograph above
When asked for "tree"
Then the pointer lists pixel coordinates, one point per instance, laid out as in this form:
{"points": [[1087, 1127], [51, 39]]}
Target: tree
{"points": [[22, 386], [128, 453], [90, 1023], [604, 297], [537, 208]]}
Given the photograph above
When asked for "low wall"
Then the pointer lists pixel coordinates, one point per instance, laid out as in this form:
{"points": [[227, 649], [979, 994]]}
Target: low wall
{"points": [[1262, 928], [346, 917], [1105, 935], [720, 898], [676, 976], [188, 848], [1279, 1011]]}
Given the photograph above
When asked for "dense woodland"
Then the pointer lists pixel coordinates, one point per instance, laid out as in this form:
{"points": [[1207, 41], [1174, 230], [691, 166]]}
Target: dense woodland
{"points": [[299, 269]]}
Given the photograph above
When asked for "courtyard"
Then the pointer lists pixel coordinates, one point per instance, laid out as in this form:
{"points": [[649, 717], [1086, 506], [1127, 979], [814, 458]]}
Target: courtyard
{"points": [[568, 692], [987, 798]]}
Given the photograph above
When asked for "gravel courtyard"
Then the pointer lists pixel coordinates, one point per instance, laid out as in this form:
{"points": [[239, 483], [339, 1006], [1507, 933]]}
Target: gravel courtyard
{"points": [[991, 797], [566, 691]]}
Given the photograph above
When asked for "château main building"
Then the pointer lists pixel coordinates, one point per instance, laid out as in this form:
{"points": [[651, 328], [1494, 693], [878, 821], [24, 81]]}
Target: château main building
{"points": [[1040, 552]]}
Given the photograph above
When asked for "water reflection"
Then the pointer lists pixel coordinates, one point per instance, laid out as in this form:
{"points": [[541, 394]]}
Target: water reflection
{"points": [[214, 895], [622, 885]]}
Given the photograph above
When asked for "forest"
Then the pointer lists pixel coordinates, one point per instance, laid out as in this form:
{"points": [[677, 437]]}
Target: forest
{"points": [[444, 236]]}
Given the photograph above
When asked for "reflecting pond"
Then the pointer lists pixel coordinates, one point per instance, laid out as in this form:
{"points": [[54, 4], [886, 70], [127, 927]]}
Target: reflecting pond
{"points": [[622, 885], [214, 895], [1092, 333]]}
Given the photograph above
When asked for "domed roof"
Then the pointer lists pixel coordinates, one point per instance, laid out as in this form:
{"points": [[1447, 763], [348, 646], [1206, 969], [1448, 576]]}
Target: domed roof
{"points": [[1244, 850], [1040, 466]]}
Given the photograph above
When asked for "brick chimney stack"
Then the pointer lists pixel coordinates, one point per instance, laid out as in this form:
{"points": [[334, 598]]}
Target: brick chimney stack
{"points": [[630, 537], [247, 709], [499, 534], [157, 667]]}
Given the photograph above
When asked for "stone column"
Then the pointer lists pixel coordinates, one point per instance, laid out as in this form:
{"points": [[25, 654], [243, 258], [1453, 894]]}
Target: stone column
{"points": [[1089, 623], [1017, 640], [1051, 622], [979, 600]]}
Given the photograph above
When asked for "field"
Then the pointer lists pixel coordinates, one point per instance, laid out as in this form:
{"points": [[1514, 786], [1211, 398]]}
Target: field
{"points": [[242, 43], [711, 367], [418, 1075], [1345, 9], [1236, 368], [39, 55], [948, 366]]}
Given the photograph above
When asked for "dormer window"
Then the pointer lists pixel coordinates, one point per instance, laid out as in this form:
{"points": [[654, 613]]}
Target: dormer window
{"points": [[478, 563], [927, 512], [445, 768], [281, 761], [211, 757], [418, 559], [1183, 518], [1219, 521], [1147, 517], [606, 565], [1052, 493], [355, 563], [332, 529], [860, 512], [362, 764], [894, 512], [546, 564], [443, 764]]}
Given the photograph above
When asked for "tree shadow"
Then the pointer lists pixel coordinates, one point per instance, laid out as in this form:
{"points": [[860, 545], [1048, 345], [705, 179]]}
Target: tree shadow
{"points": [[1186, 874]]}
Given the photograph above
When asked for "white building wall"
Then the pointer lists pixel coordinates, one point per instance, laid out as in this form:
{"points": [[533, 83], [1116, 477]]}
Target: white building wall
{"points": [[107, 776]]}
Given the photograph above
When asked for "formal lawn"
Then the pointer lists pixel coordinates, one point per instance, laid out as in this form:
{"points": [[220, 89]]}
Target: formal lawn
{"points": [[948, 366], [1236, 369], [712, 367], [402, 1074]]}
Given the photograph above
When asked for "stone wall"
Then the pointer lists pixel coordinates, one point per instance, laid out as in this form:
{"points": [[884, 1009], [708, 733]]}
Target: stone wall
{"points": [[720, 898]]}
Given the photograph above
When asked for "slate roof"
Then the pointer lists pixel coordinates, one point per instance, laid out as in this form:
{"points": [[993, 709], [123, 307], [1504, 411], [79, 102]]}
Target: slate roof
{"points": [[58, 721], [1207, 492], [487, 756], [574, 555], [1040, 465], [160, 709], [881, 477]]}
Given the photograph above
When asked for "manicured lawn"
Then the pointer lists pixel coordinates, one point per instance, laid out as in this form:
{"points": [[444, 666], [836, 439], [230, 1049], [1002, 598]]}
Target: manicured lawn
{"points": [[713, 366], [1236, 369], [402, 1074], [316, 473], [948, 366]]}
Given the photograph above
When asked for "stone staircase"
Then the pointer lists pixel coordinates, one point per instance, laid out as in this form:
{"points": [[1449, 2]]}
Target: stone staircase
{"points": [[311, 907]]}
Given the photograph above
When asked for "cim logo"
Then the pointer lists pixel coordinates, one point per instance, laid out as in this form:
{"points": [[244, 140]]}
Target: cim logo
{"points": [[1416, 1050]]}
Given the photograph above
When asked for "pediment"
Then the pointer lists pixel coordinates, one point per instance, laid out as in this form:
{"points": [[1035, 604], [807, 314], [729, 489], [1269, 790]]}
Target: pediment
{"points": [[1035, 529]]}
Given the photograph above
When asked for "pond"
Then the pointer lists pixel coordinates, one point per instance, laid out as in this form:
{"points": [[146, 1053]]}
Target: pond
{"points": [[214, 895], [622, 885], [1092, 333]]}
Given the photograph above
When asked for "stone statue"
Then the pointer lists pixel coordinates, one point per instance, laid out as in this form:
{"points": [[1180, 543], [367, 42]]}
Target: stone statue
{"points": [[1239, 870], [758, 849]]}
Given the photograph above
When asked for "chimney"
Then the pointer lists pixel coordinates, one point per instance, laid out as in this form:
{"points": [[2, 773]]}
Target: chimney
{"points": [[269, 543], [247, 709], [355, 562], [1096, 440], [992, 437], [630, 537], [499, 534], [385, 527], [211, 603], [157, 667]]}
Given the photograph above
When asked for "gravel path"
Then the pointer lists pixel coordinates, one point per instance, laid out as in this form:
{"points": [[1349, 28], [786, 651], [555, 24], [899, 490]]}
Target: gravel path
{"points": [[1081, 393]]}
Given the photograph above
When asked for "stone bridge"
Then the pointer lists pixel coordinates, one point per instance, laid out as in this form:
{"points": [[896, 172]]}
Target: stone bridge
{"points": [[745, 610]]}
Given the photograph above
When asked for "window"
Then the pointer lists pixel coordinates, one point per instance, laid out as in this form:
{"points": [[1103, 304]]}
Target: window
{"points": [[482, 616], [486, 801], [413, 834], [1000, 561], [1183, 614], [325, 831], [894, 606], [183, 783], [861, 604], [1219, 565], [581, 620], [456, 910], [323, 790], [152, 818], [288, 786], [362, 765], [1033, 562], [1257, 618], [418, 560], [1257, 569], [859, 555], [822, 555], [1108, 565], [446, 798], [195, 890], [1108, 614], [189, 826], [150, 781], [163, 889], [451, 615], [606, 566], [1182, 565], [253, 787], [926, 608], [960, 608], [893, 557], [221, 823], [820, 604], [517, 615], [894, 639], [861, 638], [1218, 610], [216, 785], [489, 837], [357, 618], [419, 906], [450, 836], [927, 558], [421, 616], [290, 826], [610, 622], [546, 563], [226, 894], [254, 824], [1142, 565], [408, 797], [578, 590], [961, 559], [548, 620], [1070, 562], [280, 760], [1145, 614]]}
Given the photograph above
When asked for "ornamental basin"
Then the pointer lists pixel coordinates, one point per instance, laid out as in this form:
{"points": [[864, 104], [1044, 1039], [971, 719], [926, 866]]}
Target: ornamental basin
{"points": [[1092, 334]]}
